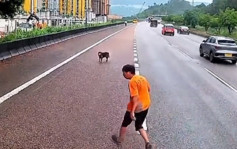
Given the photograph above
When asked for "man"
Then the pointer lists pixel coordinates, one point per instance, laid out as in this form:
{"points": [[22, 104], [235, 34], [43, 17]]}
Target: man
{"points": [[138, 105], [125, 23]]}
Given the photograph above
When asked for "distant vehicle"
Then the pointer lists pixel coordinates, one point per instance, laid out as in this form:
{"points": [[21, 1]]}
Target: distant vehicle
{"points": [[25, 26], [135, 21], [183, 30], [217, 47], [168, 29], [153, 23], [149, 19], [159, 21]]}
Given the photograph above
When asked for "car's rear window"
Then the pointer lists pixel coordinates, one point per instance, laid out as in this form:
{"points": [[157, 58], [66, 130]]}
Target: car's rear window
{"points": [[224, 42], [169, 27], [184, 27]]}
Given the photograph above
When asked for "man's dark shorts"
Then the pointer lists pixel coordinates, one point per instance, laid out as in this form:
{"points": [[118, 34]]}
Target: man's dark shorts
{"points": [[140, 117]]}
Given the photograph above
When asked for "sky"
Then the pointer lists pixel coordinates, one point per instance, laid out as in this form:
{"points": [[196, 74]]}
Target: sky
{"points": [[138, 3], [131, 7]]}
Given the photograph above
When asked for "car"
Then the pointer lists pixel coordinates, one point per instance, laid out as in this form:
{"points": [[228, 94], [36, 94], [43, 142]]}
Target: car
{"points": [[153, 23], [25, 26], [168, 29], [183, 30], [135, 21], [219, 47]]}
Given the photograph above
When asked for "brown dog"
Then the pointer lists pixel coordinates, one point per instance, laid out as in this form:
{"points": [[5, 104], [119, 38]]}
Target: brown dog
{"points": [[102, 55]]}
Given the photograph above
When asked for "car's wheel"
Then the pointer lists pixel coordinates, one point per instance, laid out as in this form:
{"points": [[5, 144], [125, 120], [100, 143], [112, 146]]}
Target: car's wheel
{"points": [[164, 33], [201, 52], [233, 61], [211, 57], [173, 34]]}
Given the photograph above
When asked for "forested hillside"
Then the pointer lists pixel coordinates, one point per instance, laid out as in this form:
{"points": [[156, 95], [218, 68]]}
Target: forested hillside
{"points": [[172, 7]]}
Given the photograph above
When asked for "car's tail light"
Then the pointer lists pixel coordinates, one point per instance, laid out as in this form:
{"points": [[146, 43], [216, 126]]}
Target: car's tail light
{"points": [[217, 48]]}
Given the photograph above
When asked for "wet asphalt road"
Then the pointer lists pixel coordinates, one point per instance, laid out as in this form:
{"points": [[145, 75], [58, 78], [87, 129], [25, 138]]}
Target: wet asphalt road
{"points": [[81, 104], [191, 109]]}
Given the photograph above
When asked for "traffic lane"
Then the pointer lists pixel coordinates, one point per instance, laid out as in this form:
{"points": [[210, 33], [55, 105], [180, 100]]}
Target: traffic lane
{"points": [[80, 105], [188, 45], [190, 108], [20, 69]]}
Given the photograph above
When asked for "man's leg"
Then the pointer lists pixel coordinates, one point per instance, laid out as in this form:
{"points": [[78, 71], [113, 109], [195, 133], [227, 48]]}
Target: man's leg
{"points": [[122, 133], [140, 117], [144, 135], [126, 121]]}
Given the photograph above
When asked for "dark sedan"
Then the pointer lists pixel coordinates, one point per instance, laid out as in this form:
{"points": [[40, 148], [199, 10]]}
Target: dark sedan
{"points": [[216, 47]]}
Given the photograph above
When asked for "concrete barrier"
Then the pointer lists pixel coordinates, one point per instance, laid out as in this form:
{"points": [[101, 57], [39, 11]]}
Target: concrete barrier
{"points": [[17, 47]]}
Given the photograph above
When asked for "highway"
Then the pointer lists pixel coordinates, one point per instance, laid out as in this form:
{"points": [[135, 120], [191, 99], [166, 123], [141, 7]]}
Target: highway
{"points": [[81, 103]]}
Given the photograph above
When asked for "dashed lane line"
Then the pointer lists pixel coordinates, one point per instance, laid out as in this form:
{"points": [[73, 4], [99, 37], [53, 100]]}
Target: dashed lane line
{"points": [[144, 125]]}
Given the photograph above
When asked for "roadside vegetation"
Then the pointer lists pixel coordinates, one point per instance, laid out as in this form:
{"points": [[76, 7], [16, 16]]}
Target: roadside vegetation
{"points": [[223, 23], [22, 34]]}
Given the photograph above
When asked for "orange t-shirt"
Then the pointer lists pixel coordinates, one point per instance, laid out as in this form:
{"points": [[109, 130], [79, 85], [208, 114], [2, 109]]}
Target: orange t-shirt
{"points": [[139, 86]]}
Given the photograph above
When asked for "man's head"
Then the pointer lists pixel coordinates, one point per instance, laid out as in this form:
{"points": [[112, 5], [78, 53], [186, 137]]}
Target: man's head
{"points": [[128, 71]]}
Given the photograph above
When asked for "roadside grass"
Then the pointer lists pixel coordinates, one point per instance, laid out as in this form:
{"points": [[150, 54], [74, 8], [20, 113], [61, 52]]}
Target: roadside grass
{"points": [[214, 32]]}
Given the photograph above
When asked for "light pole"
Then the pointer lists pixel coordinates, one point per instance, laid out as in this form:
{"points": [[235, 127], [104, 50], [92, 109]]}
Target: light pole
{"points": [[86, 5]]}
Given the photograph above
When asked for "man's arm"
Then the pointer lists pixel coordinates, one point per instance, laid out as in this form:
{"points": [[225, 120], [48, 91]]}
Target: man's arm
{"points": [[149, 87], [135, 103]]}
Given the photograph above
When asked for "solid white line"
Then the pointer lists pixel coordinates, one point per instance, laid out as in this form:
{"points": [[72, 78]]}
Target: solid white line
{"points": [[221, 80], [20, 88]]}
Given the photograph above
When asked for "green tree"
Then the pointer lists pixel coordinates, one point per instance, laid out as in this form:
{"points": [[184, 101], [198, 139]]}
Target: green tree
{"points": [[204, 20], [232, 4], [9, 8], [229, 19], [215, 23], [178, 19], [191, 18]]}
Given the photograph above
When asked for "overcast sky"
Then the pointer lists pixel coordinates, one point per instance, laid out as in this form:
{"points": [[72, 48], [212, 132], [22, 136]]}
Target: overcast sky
{"points": [[131, 7], [138, 3]]}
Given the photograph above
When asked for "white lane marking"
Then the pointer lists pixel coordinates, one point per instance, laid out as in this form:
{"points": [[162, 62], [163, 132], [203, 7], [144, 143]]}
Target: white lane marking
{"points": [[134, 51], [137, 72], [144, 125], [135, 59], [136, 65], [222, 81], [20, 88]]}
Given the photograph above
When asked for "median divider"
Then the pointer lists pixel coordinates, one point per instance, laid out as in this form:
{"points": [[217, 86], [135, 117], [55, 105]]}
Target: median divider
{"points": [[13, 48]]}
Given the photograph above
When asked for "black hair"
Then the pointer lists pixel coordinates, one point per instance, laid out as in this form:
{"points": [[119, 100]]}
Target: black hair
{"points": [[129, 68]]}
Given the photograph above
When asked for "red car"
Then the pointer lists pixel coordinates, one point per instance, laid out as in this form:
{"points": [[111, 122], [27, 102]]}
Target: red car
{"points": [[168, 29]]}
